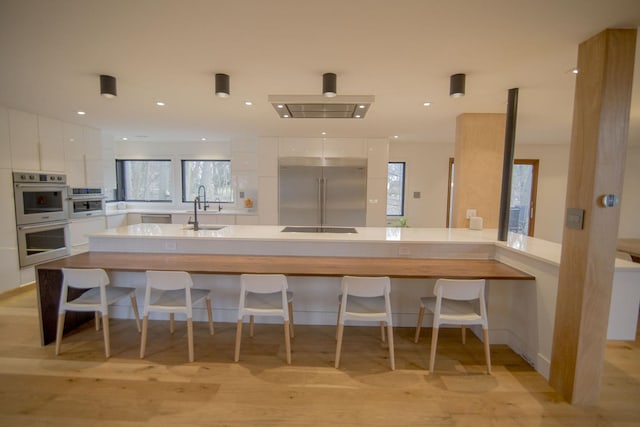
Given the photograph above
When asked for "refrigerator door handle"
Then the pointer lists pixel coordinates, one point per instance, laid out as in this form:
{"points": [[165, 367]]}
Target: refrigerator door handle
{"points": [[324, 201]]}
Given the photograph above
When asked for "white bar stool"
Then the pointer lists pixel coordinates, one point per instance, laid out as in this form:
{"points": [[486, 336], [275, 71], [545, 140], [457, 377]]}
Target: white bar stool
{"points": [[177, 296], [97, 298], [265, 295], [365, 299]]}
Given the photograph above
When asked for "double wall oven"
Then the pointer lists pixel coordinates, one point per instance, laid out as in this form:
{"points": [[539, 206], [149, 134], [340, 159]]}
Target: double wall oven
{"points": [[42, 216]]}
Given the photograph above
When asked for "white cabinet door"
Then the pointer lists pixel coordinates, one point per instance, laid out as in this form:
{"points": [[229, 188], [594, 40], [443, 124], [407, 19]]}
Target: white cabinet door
{"points": [[51, 145], [344, 147], [300, 147], [133, 218], [115, 221], [74, 154], [180, 218], [23, 132], [93, 158], [5, 141]]}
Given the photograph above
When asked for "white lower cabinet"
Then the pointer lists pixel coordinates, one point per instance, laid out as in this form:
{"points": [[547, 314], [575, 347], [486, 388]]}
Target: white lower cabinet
{"points": [[117, 220], [78, 231]]}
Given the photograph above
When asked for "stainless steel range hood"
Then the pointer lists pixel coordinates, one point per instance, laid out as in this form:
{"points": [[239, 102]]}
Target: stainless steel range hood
{"points": [[320, 107]]}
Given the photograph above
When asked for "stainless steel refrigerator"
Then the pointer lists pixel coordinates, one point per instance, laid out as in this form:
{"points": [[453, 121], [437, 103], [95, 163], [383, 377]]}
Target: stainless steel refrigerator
{"points": [[322, 192]]}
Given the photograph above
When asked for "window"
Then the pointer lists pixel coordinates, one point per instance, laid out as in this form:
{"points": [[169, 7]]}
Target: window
{"points": [[144, 180], [395, 189], [214, 175]]}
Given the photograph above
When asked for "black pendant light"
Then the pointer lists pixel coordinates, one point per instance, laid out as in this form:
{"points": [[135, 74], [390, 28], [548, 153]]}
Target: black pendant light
{"points": [[329, 85], [108, 86], [456, 86], [222, 85]]}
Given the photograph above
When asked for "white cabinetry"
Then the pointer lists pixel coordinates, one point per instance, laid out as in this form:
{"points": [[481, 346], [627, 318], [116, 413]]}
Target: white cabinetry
{"points": [[117, 220], [83, 156], [36, 142], [300, 147], [79, 229], [51, 144], [23, 132], [344, 147], [134, 218]]}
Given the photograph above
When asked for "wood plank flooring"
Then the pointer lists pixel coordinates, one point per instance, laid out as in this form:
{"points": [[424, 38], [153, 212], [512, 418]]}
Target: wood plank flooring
{"points": [[81, 387]]}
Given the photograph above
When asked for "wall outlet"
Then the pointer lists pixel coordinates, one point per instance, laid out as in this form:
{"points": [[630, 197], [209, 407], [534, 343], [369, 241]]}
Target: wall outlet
{"points": [[470, 213], [404, 251]]}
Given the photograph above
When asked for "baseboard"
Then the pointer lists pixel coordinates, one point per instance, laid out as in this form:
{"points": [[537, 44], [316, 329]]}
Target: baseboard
{"points": [[17, 291]]}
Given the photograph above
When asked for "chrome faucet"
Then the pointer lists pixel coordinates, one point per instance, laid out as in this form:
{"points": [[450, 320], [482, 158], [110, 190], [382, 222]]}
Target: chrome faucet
{"points": [[204, 194], [196, 206]]}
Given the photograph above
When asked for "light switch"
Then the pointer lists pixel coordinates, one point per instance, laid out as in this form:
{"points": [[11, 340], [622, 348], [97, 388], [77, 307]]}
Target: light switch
{"points": [[575, 218], [416, 194]]}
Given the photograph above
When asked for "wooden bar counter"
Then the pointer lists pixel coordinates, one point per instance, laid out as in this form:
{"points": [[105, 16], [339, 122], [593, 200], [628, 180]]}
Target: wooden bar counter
{"points": [[49, 276]]}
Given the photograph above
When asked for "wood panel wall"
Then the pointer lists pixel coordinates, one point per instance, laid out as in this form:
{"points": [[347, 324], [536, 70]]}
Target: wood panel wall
{"points": [[477, 178]]}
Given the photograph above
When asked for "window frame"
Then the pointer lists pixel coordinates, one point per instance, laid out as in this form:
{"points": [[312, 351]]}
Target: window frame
{"points": [[121, 179], [403, 193], [184, 183]]}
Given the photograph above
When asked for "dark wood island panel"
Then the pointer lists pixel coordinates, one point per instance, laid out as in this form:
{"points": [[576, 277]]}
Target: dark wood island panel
{"points": [[49, 276]]}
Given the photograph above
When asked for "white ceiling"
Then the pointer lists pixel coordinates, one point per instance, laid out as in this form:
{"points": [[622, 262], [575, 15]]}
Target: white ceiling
{"points": [[401, 51]]}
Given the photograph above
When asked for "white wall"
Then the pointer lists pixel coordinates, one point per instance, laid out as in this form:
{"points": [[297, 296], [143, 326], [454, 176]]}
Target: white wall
{"points": [[427, 172]]}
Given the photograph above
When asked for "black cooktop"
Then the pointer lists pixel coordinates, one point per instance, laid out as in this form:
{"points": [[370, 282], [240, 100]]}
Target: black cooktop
{"points": [[319, 230]]}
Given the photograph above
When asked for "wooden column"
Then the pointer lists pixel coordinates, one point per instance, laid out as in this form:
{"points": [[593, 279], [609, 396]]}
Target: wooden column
{"points": [[478, 167], [596, 167]]}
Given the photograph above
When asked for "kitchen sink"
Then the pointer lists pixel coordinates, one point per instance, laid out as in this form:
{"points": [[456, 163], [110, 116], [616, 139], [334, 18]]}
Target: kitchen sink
{"points": [[205, 227], [319, 230]]}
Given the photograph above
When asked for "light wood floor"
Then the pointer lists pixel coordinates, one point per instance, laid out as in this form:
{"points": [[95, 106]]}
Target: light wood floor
{"points": [[80, 387]]}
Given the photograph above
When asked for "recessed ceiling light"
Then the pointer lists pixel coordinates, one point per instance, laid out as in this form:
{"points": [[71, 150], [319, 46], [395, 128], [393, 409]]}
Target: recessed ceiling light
{"points": [[395, 136], [81, 113], [324, 133], [426, 104], [203, 139], [160, 104], [248, 103], [575, 71], [125, 138]]}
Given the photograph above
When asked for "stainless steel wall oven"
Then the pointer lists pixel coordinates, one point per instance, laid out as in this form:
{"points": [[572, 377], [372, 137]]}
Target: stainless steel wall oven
{"points": [[85, 202], [42, 217]]}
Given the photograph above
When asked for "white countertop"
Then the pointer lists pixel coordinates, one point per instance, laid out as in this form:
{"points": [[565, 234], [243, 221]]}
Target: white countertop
{"points": [[536, 248]]}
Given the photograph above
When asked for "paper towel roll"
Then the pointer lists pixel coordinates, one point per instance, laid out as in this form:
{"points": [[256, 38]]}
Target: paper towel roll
{"points": [[475, 223]]}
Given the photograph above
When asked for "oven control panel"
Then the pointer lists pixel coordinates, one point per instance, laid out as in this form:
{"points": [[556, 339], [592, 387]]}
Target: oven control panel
{"points": [[45, 178]]}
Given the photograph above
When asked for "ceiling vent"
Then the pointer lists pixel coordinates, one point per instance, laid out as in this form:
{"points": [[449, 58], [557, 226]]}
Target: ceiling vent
{"points": [[320, 107]]}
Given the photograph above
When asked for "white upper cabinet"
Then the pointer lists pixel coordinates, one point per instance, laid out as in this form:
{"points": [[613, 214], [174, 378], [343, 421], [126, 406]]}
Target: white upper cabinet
{"points": [[83, 156], [23, 134], [74, 154], [51, 145], [300, 147], [344, 148], [5, 145]]}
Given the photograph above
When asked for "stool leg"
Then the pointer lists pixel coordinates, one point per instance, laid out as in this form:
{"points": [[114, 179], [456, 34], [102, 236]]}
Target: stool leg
{"points": [[190, 337], [59, 332], [210, 315], [238, 339], [291, 320], [339, 343], [105, 332], [464, 334], [487, 353], [143, 339], [338, 318], [134, 306], [382, 331], [251, 325], [419, 325], [97, 317], [434, 343], [287, 340], [171, 325], [391, 350]]}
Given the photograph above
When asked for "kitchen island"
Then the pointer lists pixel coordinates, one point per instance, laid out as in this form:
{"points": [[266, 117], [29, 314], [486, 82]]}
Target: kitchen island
{"points": [[521, 312]]}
